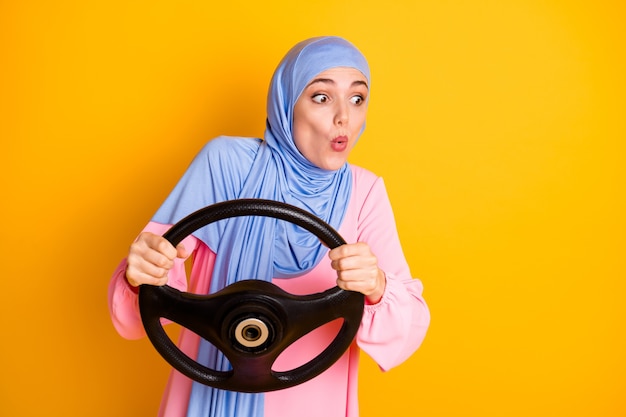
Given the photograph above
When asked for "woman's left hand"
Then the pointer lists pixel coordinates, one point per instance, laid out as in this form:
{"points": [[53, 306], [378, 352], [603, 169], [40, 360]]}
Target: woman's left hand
{"points": [[357, 270]]}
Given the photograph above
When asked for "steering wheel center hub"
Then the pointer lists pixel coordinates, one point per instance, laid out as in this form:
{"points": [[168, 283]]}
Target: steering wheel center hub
{"points": [[252, 333]]}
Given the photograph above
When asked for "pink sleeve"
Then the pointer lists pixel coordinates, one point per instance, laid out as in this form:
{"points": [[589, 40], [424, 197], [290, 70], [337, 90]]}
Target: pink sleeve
{"points": [[394, 328], [122, 297]]}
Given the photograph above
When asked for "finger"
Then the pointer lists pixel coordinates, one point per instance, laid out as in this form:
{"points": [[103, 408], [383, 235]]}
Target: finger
{"points": [[361, 286], [355, 262], [350, 249], [141, 278], [152, 257], [148, 280], [164, 247], [139, 266], [181, 251], [368, 275], [367, 284], [339, 252]]}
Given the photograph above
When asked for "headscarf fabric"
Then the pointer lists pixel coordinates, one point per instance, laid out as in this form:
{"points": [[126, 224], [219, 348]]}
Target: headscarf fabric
{"points": [[262, 247]]}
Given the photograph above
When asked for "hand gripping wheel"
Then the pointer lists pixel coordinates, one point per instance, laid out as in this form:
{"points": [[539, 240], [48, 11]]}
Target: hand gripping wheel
{"points": [[250, 321]]}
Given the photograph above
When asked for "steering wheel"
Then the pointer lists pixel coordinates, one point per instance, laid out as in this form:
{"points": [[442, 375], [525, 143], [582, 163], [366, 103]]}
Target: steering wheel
{"points": [[251, 321]]}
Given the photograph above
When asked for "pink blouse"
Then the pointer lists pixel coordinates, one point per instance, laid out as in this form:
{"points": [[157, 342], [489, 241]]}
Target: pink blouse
{"points": [[390, 330]]}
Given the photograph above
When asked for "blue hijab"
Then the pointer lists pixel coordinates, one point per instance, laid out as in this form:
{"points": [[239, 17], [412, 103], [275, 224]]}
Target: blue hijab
{"points": [[228, 168]]}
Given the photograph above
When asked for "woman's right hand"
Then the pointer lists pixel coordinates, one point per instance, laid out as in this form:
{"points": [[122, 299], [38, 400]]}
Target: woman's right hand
{"points": [[150, 258]]}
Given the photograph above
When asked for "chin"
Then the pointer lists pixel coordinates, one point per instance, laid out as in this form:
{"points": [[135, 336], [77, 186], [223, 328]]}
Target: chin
{"points": [[331, 162], [333, 166]]}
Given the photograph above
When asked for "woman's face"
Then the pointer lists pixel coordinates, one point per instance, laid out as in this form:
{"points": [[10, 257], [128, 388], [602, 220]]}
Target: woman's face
{"points": [[329, 115]]}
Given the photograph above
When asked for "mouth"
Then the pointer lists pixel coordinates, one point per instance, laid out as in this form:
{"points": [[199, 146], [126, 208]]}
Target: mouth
{"points": [[339, 144]]}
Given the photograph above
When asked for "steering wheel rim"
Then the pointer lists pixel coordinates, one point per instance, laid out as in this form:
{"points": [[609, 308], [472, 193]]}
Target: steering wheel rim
{"points": [[232, 318]]}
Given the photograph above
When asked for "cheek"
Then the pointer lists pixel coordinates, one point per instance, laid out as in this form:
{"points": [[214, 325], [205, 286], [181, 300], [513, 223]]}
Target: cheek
{"points": [[305, 128], [359, 123], [299, 132], [303, 133]]}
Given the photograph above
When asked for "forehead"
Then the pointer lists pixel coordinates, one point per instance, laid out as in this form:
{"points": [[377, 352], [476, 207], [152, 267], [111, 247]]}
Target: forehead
{"points": [[340, 75]]}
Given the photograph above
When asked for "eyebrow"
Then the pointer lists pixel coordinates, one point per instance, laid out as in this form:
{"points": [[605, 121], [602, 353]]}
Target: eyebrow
{"points": [[331, 81]]}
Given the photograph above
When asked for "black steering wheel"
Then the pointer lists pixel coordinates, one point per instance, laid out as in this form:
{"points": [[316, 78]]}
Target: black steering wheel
{"points": [[251, 322]]}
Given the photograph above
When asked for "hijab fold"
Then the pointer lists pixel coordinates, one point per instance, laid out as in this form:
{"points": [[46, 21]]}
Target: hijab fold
{"points": [[261, 247]]}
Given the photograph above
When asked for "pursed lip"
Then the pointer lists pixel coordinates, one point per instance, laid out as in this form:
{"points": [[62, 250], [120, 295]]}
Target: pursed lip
{"points": [[340, 139], [339, 144]]}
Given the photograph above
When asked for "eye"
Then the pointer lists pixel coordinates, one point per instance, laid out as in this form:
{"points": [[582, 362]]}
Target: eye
{"points": [[356, 100], [320, 98]]}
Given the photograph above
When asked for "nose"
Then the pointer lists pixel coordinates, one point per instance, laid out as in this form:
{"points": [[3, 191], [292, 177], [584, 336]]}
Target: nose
{"points": [[341, 114]]}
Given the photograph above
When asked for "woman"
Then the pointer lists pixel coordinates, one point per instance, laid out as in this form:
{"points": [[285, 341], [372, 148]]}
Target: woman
{"points": [[317, 105]]}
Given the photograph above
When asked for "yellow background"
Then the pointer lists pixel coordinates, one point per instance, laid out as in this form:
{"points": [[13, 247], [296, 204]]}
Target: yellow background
{"points": [[499, 127]]}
